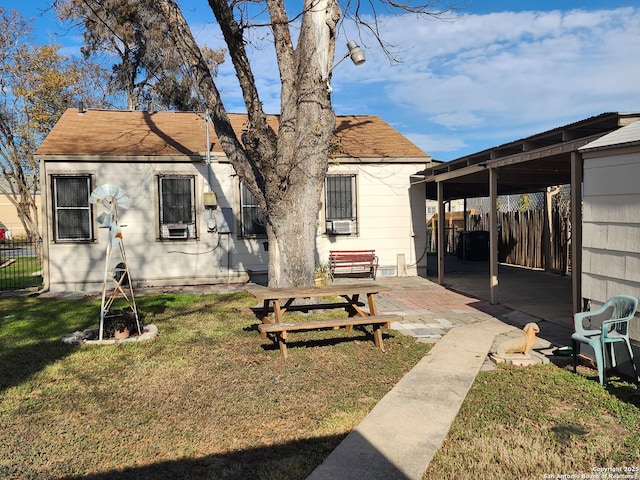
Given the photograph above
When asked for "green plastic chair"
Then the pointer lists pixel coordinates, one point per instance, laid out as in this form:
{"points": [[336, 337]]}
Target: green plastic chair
{"points": [[613, 330]]}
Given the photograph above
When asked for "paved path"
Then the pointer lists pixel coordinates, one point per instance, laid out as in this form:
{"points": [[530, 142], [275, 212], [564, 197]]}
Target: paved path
{"points": [[400, 436]]}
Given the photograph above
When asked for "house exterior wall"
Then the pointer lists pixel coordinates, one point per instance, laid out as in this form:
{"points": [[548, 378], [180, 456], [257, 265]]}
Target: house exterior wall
{"points": [[391, 218], [81, 266], [611, 227], [390, 221]]}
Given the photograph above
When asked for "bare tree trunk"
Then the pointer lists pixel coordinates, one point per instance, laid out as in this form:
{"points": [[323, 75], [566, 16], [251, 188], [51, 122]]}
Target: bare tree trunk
{"points": [[285, 171], [307, 126]]}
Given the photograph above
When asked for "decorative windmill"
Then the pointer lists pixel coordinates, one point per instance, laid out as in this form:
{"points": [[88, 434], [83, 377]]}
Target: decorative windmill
{"points": [[113, 199]]}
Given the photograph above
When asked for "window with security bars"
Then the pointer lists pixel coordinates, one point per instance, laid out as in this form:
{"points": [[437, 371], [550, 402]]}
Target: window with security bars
{"points": [[340, 204], [253, 220], [177, 207], [72, 212]]}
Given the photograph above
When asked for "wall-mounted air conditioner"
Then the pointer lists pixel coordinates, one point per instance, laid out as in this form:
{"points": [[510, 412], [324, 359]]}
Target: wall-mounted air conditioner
{"points": [[178, 230], [340, 227]]}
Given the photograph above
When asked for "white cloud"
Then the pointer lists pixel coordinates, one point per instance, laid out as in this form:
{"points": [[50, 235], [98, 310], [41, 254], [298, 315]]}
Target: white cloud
{"points": [[515, 66], [442, 143], [480, 78]]}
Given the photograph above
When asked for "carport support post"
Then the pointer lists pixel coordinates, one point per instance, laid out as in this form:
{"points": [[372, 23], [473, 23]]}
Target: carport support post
{"points": [[441, 221], [493, 235], [546, 229]]}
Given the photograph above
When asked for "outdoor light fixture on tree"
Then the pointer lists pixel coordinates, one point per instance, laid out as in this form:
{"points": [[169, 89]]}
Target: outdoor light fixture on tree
{"points": [[357, 57]]}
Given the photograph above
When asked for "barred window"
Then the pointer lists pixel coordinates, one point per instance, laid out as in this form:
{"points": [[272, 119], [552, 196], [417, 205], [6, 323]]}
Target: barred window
{"points": [[177, 207], [72, 212], [340, 204], [253, 219]]}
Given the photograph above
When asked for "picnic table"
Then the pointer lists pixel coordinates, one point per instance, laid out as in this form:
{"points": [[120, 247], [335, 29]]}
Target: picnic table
{"points": [[278, 301]]}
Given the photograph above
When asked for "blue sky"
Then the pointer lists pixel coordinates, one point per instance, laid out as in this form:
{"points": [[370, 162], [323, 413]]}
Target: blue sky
{"points": [[492, 72]]}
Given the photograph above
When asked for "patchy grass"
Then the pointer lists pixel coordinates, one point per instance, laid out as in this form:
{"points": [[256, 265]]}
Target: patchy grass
{"points": [[536, 421], [206, 399], [210, 399]]}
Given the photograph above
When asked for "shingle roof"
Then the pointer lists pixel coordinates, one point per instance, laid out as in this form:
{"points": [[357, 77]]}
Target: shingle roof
{"points": [[627, 135], [177, 134]]}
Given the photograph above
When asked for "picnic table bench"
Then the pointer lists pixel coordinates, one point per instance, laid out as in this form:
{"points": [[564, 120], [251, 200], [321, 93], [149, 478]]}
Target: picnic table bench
{"points": [[355, 261], [277, 301]]}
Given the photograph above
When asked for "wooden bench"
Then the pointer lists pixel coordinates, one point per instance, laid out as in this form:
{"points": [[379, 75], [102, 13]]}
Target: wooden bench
{"points": [[281, 329], [355, 261]]}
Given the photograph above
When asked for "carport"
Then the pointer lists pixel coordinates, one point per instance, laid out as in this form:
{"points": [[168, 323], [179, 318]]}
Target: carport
{"points": [[528, 165]]}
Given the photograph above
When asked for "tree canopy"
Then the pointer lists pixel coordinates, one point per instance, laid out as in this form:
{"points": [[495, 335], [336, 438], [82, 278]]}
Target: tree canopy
{"points": [[131, 38], [37, 85]]}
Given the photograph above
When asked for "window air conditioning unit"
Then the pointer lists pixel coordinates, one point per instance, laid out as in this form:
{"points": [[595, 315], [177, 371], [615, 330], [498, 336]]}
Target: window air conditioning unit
{"points": [[178, 230], [341, 227]]}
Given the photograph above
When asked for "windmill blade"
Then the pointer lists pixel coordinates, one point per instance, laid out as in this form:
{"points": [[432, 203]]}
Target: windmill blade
{"points": [[119, 194], [108, 195], [101, 192], [112, 189], [123, 201], [105, 219]]}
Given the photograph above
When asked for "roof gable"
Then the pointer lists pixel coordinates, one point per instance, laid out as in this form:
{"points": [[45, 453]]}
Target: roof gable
{"points": [[118, 133]]}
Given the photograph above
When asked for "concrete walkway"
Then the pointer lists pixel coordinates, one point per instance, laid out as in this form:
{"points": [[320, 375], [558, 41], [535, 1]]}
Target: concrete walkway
{"points": [[400, 436], [398, 439]]}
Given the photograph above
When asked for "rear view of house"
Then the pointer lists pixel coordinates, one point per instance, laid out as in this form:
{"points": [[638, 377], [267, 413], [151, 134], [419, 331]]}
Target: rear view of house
{"points": [[190, 220]]}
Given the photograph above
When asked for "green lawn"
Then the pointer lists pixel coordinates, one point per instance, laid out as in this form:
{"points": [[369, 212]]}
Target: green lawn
{"points": [[206, 399], [209, 399], [524, 423]]}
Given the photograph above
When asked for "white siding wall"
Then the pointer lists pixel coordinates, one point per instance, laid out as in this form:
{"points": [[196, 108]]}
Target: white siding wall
{"points": [[214, 257], [611, 227], [391, 217], [384, 213]]}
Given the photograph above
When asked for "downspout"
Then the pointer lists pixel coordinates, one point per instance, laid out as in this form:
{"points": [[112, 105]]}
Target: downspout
{"points": [[44, 213], [577, 173]]}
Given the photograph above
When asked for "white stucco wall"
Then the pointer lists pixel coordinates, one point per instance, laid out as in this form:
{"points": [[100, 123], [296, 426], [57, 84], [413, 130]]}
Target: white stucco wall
{"points": [[387, 223], [214, 257]]}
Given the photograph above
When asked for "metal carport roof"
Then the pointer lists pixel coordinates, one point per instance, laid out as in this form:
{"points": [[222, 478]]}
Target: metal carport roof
{"points": [[523, 166]]}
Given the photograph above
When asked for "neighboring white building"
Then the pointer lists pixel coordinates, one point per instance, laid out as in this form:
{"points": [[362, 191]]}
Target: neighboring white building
{"points": [[611, 219], [159, 159], [10, 225]]}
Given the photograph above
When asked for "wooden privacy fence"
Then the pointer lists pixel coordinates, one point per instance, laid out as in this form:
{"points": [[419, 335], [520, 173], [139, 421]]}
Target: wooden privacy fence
{"points": [[520, 238]]}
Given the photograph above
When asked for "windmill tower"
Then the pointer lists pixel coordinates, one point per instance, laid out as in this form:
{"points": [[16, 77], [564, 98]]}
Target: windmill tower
{"points": [[117, 281]]}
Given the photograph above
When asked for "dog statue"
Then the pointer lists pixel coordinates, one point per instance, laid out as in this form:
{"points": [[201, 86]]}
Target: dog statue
{"points": [[522, 345]]}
